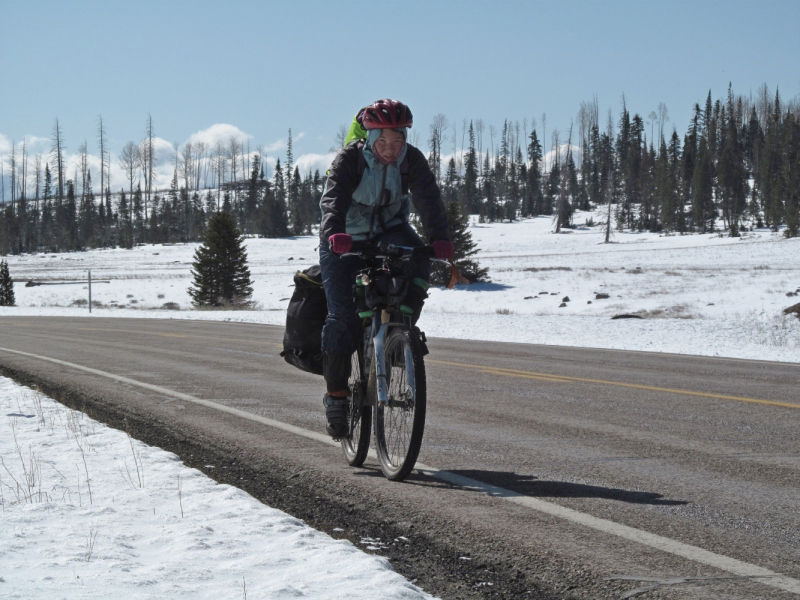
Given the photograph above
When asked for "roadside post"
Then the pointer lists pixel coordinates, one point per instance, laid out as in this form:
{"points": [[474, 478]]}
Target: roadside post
{"points": [[90, 290]]}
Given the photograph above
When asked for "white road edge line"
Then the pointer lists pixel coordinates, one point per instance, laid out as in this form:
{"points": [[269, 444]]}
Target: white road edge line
{"points": [[694, 553]]}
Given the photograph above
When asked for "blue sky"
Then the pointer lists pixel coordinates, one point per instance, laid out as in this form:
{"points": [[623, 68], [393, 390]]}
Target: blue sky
{"points": [[263, 67]]}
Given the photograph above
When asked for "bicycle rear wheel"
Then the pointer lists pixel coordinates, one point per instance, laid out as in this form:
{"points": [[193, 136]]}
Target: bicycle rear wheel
{"points": [[400, 423], [356, 446]]}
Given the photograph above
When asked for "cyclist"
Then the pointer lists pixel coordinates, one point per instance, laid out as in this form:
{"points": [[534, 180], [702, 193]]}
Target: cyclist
{"points": [[372, 206]]}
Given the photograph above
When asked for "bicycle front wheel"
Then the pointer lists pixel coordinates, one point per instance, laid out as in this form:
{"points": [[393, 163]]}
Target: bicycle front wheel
{"points": [[400, 423], [356, 446]]}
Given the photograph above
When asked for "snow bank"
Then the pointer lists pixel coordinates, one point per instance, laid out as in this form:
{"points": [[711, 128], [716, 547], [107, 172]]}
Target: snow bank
{"points": [[89, 513]]}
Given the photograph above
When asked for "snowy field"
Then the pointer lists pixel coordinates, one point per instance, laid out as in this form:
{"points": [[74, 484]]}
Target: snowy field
{"points": [[89, 513], [698, 294]]}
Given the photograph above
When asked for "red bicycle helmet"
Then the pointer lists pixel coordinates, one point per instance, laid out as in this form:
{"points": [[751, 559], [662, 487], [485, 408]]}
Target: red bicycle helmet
{"points": [[387, 114]]}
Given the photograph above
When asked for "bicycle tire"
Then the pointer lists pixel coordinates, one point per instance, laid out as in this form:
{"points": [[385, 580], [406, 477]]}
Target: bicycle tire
{"points": [[356, 446], [400, 424]]}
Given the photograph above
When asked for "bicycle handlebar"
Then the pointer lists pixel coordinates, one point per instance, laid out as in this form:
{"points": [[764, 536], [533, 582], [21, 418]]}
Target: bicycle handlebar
{"points": [[366, 249]]}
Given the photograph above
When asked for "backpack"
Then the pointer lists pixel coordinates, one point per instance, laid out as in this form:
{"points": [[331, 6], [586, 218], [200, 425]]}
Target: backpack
{"points": [[305, 318]]}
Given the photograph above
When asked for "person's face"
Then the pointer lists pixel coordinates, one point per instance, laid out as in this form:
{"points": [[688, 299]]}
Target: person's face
{"points": [[389, 146]]}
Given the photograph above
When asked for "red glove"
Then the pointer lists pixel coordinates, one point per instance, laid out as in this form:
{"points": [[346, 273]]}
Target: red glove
{"points": [[341, 243], [442, 249]]}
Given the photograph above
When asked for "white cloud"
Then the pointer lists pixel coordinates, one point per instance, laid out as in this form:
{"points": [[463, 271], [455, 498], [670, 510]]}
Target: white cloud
{"points": [[550, 157], [219, 132], [33, 145], [313, 162], [275, 146], [300, 135]]}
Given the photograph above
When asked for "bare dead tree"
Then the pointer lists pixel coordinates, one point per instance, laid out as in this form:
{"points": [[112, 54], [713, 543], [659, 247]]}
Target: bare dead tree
{"points": [[479, 128], [84, 165], [13, 165], [57, 150], [244, 162], [525, 131], [220, 163], [464, 125], [544, 140], [129, 161], [339, 138], [176, 151], [554, 148], [663, 118], [233, 154], [199, 159], [188, 165], [101, 141], [437, 129], [492, 133], [37, 177], [24, 186], [150, 156], [143, 155], [454, 139], [653, 119], [583, 124]]}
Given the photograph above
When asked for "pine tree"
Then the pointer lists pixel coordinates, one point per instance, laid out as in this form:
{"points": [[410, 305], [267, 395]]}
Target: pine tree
{"points": [[470, 198], [791, 175], [124, 223], [293, 193], [69, 220], [6, 286], [533, 199], [137, 216], [450, 191], [221, 275], [732, 173], [464, 248], [273, 221], [702, 189], [251, 200]]}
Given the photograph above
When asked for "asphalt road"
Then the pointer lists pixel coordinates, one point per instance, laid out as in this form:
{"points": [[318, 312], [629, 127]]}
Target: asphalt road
{"points": [[551, 472]]}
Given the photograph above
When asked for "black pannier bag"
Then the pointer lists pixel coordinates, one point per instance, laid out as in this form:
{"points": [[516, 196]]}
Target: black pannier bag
{"points": [[305, 317]]}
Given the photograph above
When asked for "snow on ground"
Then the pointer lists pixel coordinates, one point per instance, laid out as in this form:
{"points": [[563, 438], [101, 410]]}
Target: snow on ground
{"points": [[699, 294], [89, 513]]}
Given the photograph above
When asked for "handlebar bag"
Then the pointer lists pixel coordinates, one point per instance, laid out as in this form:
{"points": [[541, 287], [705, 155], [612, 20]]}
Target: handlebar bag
{"points": [[305, 317], [386, 290]]}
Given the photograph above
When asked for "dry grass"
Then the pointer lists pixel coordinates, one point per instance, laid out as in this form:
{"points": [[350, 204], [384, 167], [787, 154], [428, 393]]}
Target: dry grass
{"points": [[538, 269], [676, 311], [778, 330], [249, 305]]}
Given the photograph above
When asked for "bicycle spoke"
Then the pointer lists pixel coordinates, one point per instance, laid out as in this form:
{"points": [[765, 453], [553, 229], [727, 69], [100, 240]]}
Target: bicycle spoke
{"points": [[398, 424]]}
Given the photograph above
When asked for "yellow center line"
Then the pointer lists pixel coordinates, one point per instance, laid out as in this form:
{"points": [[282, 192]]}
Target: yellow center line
{"points": [[550, 377], [567, 379]]}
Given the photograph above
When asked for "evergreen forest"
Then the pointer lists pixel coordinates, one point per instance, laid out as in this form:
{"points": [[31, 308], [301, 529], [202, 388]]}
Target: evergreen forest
{"points": [[736, 167]]}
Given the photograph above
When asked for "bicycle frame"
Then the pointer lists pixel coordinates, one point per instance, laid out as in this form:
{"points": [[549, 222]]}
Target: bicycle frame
{"points": [[380, 326]]}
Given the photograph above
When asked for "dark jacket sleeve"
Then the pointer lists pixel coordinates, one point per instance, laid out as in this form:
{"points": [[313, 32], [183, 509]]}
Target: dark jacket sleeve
{"points": [[426, 196], [343, 180]]}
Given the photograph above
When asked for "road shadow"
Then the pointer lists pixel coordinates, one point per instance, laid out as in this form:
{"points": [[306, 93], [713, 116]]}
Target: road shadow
{"points": [[534, 487], [486, 286]]}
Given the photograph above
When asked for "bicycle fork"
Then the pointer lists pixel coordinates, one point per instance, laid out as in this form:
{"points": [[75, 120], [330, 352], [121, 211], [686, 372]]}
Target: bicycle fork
{"points": [[380, 325]]}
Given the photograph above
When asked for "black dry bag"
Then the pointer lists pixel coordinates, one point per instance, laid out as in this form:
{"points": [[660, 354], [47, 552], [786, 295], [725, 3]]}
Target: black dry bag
{"points": [[305, 317]]}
